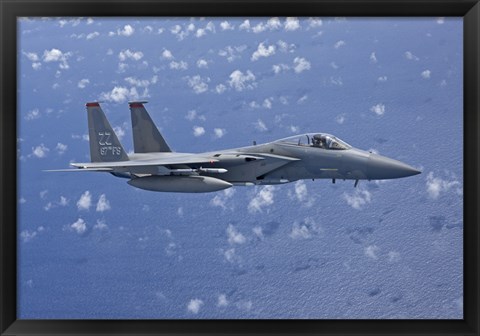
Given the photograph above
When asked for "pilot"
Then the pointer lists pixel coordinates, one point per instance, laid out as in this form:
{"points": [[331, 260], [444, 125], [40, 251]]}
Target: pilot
{"points": [[317, 141]]}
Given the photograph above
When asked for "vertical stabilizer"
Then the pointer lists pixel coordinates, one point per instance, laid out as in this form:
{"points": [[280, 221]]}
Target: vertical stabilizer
{"points": [[104, 144], [146, 137]]}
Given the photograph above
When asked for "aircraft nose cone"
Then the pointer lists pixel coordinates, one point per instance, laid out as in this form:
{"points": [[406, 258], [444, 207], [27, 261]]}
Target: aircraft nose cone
{"points": [[381, 167]]}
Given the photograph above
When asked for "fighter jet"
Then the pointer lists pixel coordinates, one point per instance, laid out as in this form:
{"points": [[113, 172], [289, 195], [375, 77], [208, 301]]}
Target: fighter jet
{"points": [[154, 166]]}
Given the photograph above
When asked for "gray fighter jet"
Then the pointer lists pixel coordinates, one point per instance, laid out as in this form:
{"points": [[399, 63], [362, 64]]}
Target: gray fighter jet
{"points": [[154, 166]]}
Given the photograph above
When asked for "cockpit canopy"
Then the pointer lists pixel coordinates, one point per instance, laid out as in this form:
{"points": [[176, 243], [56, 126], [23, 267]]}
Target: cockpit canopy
{"points": [[318, 140]]}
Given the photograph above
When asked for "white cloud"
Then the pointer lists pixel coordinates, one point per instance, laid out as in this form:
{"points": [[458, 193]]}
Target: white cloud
{"points": [[378, 109], [90, 21], [40, 151], [225, 25], [382, 78], [91, 36], [235, 237], [219, 133], [371, 251], [128, 54], [120, 94], [302, 99], [33, 114], [263, 51], [301, 64], [85, 201], [410, 56], [441, 20], [126, 31], [339, 44], [267, 103], [167, 54], [101, 225], [260, 126], [63, 201], [340, 119], [144, 83], [83, 83], [292, 24], [178, 65], [79, 226], [240, 81], [393, 256], [56, 55], [43, 194], [315, 22], [198, 131], [305, 229], [277, 68], [301, 192], [103, 204], [202, 64], [232, 53], [285, 47], [27, 236], [373, 57], [221, 199], [194, 306], [220, 88], [200, 32], [222, 301], [262, 199], [61, 148], [245, 25], [32, 56], [198, 84], [426, 74], [437, 186], [358, 198], [36, 66]]}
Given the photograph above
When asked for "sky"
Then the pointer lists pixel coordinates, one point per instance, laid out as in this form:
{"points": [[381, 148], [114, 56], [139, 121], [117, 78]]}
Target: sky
{"points": [[91, 246]]}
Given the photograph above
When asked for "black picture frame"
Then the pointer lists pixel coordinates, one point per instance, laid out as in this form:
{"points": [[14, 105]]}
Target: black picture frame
{"points": [[10, 10]]}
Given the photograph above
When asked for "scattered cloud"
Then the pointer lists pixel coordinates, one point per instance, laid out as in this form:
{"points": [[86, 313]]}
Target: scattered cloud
{"points": [[340, 119], [174, 65], [167, 54], [225, 25], [127, 30], [426, 74], [219, 133], [260, 126], [378, 109], [221, 198], [373, 57], [56, 55], [79, 226], [263, 199], [198, 131], [194, 306], [339, 44], [33, 114], [315, 22], [128, 54], [222, 301], [240, 81], [202, 64], [305, 229], [61, 148], [40, 151], [410, 56], [198, 84], [103, 204], [358, 198], [436, 186], [93, 35], [300, 64], [263, 51], [291, 24], [120, 94], [82, 84], [235, 237], [371, 251], [85, 201]]}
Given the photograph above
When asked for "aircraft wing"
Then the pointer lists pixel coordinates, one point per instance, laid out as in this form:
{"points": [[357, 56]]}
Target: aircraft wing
{"points": [[177, 160]]}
